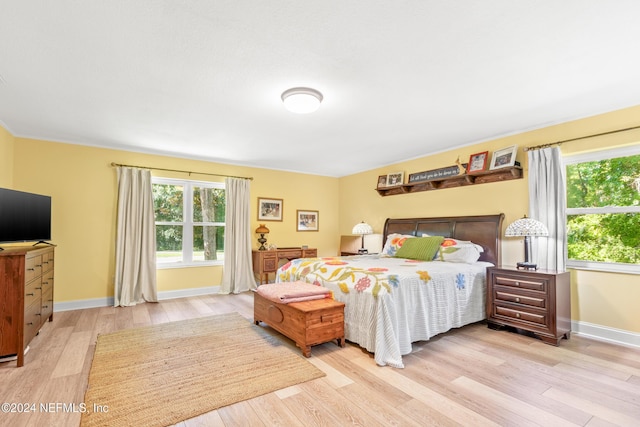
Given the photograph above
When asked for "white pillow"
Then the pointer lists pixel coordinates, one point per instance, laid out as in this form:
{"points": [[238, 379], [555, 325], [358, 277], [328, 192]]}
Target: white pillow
{"points": [[393, 243], [453, 250]]}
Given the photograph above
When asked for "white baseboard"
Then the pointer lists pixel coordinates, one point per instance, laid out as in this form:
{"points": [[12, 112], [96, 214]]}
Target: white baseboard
{"points": [[108, 302], [605, 333]]}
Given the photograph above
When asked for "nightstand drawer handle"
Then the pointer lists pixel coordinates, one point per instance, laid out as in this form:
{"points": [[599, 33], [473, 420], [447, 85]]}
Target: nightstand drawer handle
{"points": [[518, 315], [517, 299]]}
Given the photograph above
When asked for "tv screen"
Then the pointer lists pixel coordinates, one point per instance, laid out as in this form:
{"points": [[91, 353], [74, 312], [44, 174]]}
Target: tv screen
{"points": [[24, 217]]}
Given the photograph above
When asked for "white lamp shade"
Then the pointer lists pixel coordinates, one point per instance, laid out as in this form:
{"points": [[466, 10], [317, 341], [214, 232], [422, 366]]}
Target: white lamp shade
{"points": [[301, 100], [362, 229], [526, 227]]}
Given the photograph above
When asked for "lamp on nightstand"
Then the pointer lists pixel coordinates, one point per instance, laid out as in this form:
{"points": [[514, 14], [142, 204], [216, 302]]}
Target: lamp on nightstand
{"points": [[262, 230], [527, 227], [361, 229]]}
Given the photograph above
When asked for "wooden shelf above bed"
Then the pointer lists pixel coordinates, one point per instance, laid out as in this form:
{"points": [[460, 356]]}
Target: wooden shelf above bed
{"points": [[498, 175]]}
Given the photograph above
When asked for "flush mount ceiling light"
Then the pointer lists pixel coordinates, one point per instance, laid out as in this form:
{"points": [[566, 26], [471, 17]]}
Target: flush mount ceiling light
{"points": [[301, 100]]}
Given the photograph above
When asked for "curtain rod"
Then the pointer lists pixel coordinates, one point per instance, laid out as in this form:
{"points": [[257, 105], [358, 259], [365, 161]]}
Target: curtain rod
{"points": [[538, 147], [182, 171]]}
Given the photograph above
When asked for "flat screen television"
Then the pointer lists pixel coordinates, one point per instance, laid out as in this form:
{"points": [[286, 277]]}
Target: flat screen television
{"points": [[24, 217]]}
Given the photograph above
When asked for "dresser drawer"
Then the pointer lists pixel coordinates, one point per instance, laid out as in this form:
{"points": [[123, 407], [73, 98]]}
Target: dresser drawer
{"points": [[520, 298], [47, 281], [32, 292], [309, 253], [539, 319], [32, 321], [290, 253], [33, 267], [540, 284], [47, 261], [47, 304]]}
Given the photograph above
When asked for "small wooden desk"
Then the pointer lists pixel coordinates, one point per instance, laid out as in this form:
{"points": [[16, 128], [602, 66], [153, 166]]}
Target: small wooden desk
{"points": [[265, 262]]}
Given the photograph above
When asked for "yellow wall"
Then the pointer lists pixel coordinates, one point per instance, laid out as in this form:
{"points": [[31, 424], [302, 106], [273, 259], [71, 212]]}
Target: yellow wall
{"points": [[6, 158], [83, 188], [605, 299]]}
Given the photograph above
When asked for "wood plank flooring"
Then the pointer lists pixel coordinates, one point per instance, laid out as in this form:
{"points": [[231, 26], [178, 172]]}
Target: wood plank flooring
{"points": [[472, 376]]}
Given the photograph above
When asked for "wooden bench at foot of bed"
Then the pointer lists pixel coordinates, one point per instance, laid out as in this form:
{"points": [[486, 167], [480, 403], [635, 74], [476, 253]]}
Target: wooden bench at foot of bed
{"points": [[307, 323]]}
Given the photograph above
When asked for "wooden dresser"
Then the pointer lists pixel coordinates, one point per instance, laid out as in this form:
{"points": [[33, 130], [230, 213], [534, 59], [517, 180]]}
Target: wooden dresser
{"points": [[26, 296], [265, 262], [535, 301]]}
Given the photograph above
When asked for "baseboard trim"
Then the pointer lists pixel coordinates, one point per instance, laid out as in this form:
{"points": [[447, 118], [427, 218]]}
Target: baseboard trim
{"points": [[108, 301], [605, 333]]}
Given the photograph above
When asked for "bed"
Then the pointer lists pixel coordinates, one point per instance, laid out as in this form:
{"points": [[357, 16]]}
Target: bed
{"points": [[392, 301]]}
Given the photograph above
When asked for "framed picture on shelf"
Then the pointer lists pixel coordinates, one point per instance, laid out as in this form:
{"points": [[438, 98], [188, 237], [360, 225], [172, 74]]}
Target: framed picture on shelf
{"points": [[382, 181], [307, 220], [478, 162], [269, 209], [504, 158], [394, 179]]}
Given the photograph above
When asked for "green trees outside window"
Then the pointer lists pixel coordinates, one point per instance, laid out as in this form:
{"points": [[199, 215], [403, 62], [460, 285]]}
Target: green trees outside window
{"points": [[603, 210], [190, 219]]}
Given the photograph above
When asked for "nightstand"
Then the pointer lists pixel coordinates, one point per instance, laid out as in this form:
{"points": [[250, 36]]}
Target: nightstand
{"points": [[535, 301]]}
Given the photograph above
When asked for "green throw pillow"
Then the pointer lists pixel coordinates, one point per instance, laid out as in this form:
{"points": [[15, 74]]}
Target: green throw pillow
{"points": [[421, 248]]}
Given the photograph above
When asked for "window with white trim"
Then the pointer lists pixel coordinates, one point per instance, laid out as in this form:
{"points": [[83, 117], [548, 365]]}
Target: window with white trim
{"points": [[189, 222], [603, 210]]}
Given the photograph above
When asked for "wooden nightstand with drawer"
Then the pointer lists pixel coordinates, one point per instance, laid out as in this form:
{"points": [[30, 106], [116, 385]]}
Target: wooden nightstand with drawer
{"points": [[535, 301]]}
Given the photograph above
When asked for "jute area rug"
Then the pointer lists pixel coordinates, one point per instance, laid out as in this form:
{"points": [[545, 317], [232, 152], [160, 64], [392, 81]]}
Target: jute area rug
{"points": [[163, 374]]}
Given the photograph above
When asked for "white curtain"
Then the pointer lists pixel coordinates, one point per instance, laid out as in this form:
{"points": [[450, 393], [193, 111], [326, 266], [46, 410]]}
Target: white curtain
{"points": [[238, 270], [547, 204], [135, 280]]}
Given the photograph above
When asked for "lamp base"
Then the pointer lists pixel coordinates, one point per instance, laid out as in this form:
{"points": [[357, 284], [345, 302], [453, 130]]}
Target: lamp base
{"points": [[526, 266]]}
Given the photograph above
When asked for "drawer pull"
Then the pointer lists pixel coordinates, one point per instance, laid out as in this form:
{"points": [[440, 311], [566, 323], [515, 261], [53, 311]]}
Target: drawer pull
{"points": [[45, 306], [30, 295], [517, 283], [518, 315], [31, 269], [30, 324], [517, 299], [46, 262], [39, 288]]}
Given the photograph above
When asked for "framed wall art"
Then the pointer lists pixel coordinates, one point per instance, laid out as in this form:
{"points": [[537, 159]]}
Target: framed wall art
{"points": [[382, 181], [504, 158], [307, 220], [396, 178], [269, 209], [478, 162]]}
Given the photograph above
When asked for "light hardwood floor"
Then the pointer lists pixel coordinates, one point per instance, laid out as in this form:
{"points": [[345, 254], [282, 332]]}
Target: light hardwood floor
{"points": [[472, 376]]}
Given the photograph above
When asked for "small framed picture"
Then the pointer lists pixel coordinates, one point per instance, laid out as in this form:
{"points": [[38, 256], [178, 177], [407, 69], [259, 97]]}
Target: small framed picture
{"points": [[504, 158], [382, 181], [269, 209], [307, 220], [396, 178], [478, 162]]}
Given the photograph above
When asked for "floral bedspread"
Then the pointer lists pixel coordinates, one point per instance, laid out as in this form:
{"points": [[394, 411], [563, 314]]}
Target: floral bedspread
{"points": [[393, 302]]}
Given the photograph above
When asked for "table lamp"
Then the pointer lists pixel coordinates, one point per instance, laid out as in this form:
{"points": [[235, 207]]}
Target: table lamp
{"points": [[262, 230], [527, 227], [361, 229]]}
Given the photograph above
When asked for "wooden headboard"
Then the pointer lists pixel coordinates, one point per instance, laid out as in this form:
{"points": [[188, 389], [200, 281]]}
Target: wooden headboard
{"points": [[484, 230]]}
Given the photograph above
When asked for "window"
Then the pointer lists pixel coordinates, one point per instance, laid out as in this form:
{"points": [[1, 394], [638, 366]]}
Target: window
{"points": [[189, 222], [603, 210]]}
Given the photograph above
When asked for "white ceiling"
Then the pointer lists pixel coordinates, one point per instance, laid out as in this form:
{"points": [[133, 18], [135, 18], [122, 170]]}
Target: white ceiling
{"points": [[401, 79]]}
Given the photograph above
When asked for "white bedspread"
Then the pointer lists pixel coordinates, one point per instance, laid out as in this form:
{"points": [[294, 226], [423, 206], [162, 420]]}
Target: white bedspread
{"points": [[393, 302]]}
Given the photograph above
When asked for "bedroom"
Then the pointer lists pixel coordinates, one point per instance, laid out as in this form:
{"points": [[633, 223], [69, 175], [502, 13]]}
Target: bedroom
{"points": [[82, 184]]}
